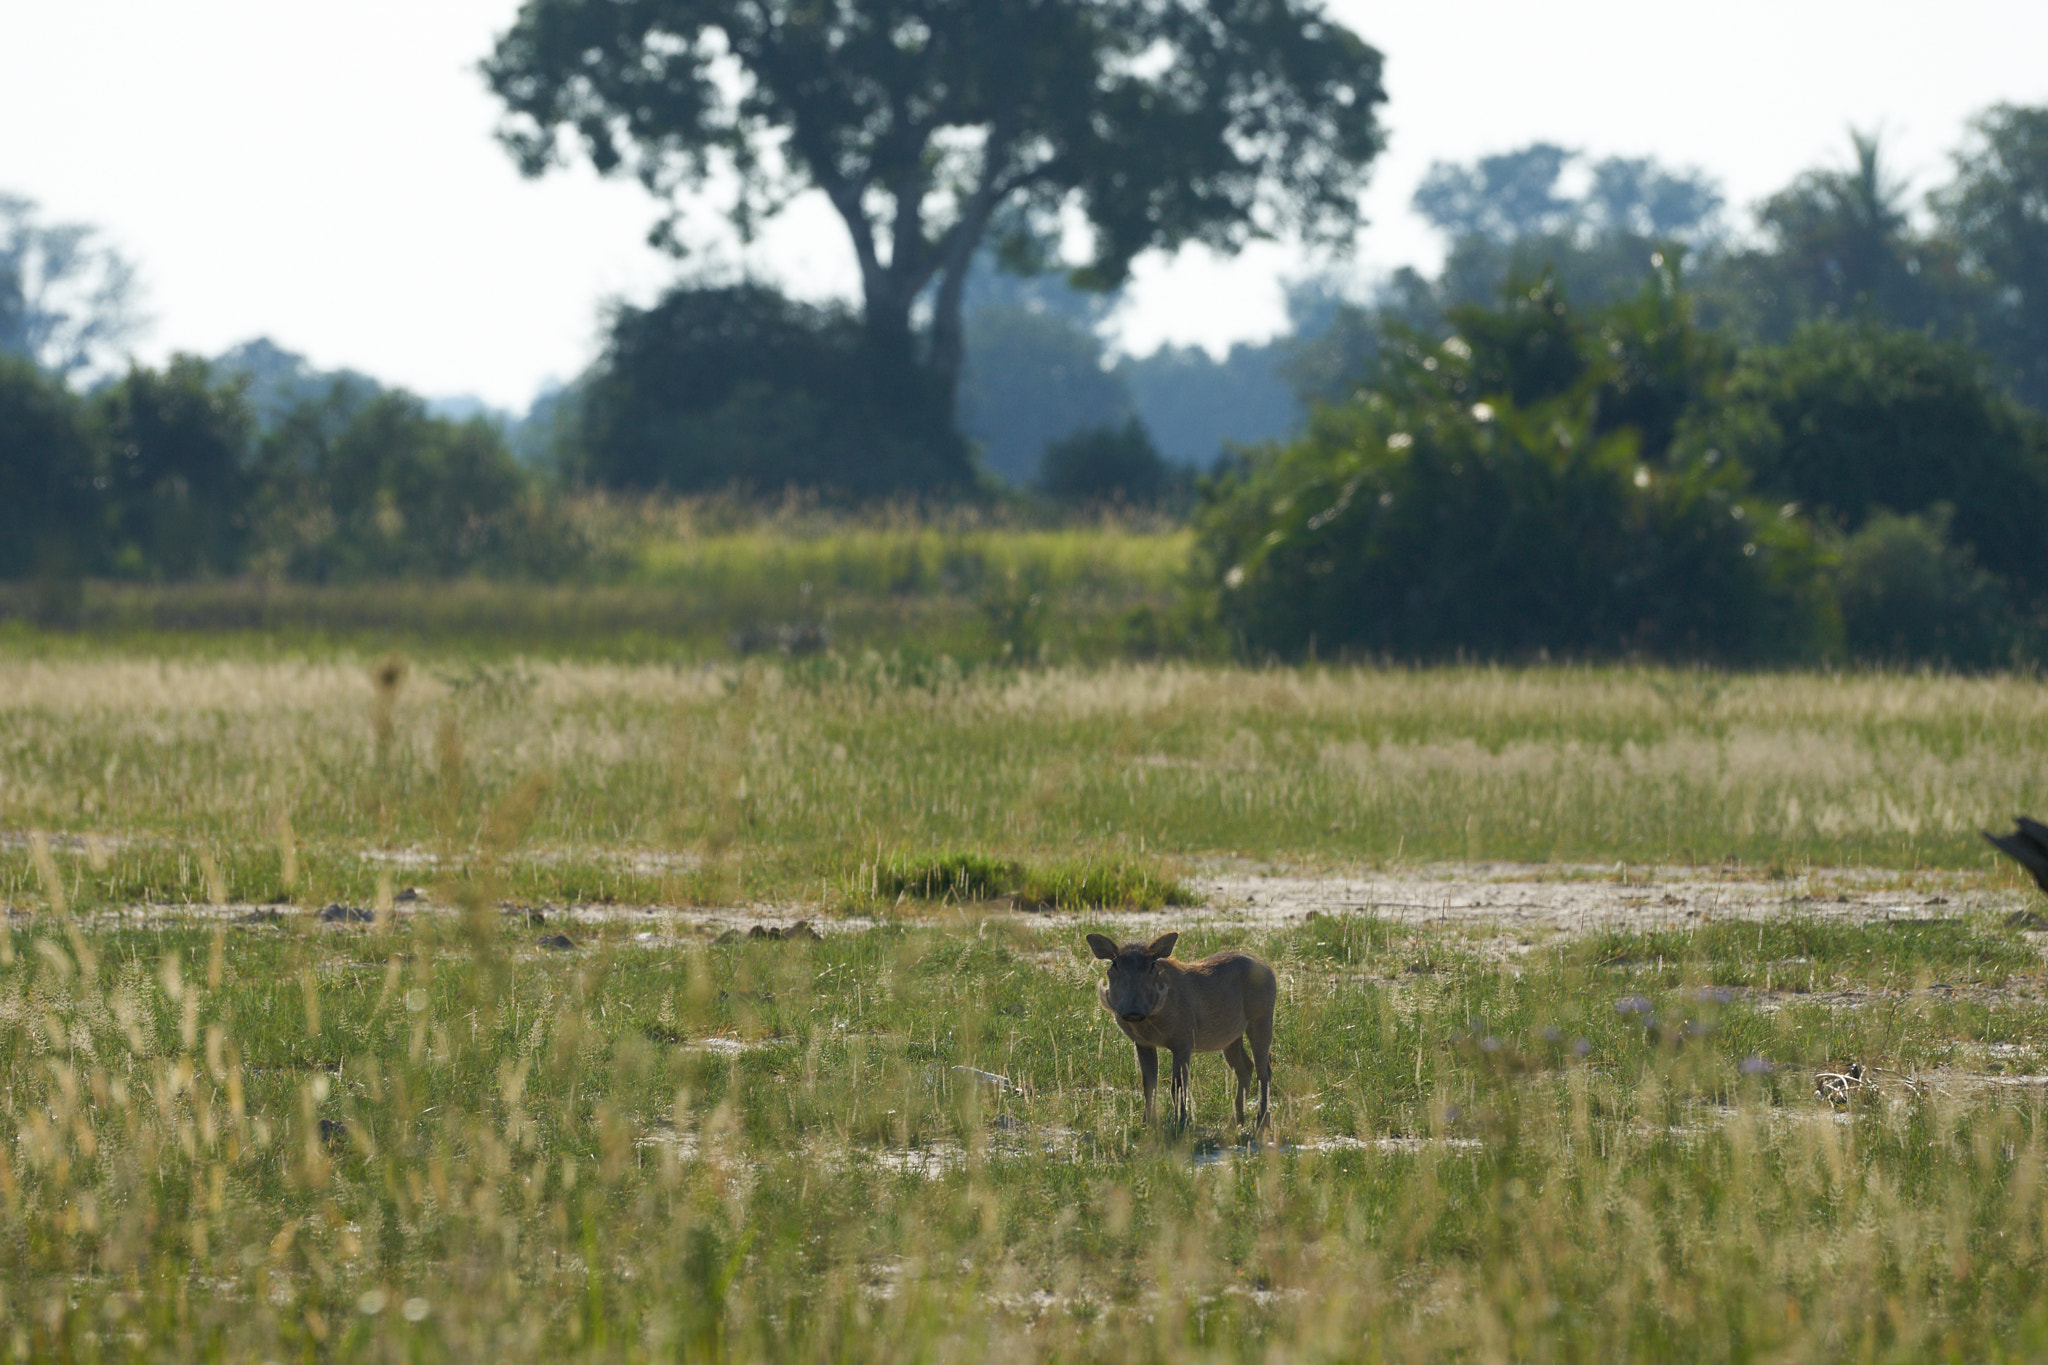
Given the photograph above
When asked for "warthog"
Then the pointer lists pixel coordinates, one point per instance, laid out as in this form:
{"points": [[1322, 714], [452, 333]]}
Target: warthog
{"points": [[1215, 1005]]}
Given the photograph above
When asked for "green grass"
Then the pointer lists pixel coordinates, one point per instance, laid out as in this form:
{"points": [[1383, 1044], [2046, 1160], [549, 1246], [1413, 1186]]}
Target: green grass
{"points": [[678, 784], [687, 584], [968, 877], [1897, 953], [437, 1141]]}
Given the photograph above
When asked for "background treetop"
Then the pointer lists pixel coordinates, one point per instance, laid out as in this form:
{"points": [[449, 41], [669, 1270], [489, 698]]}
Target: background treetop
{"points": [[1214, 121], [1523, 193], [67, 302]]}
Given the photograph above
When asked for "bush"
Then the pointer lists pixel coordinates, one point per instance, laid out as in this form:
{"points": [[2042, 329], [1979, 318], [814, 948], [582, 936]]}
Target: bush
{"points": [[1494, 495], [177, 473], [375, 489], [741, 388], [1847, 420], [1907, 595], [1497, 534], [1104, 465]]}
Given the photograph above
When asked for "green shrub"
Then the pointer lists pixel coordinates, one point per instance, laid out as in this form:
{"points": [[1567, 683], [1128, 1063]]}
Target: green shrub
{"points": [[1082, 884], [1496, 532], [1104, 465], [1494, 495], [1906, 594], [741, 388], [1851, 419]]}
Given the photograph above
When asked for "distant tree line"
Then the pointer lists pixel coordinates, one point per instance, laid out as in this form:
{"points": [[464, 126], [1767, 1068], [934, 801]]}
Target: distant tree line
{"points": [[255, 464], [1608, 425]]}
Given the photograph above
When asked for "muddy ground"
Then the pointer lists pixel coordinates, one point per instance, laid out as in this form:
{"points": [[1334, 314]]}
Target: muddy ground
{"points": [[1483, 900]]}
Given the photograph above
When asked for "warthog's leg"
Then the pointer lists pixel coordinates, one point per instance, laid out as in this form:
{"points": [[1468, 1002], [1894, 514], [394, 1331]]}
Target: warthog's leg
{"points": [[1148, 1072], [1241, 1063], [1259, 1032], [1182, 1056]]}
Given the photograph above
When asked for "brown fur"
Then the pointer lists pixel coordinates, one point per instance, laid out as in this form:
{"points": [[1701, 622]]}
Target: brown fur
{"points": [[1216, 1005]]}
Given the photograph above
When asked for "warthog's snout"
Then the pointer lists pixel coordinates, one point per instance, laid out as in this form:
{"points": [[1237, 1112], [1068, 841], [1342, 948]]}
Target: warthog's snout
{"points": [[1130, 1018]]}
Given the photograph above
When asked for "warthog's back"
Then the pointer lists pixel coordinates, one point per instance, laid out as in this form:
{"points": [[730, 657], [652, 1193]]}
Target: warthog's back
{"points": [[1225, 993]]}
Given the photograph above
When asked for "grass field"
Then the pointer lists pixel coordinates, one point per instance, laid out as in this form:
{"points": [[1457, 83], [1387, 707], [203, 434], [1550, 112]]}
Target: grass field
{"points": [[688, 784], [689, 581], [237, 1136]]}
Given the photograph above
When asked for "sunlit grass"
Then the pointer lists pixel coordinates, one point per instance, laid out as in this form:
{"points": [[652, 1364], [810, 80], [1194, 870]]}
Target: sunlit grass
{"points": [[432, 1137], [686, 581], [437, 1141]]}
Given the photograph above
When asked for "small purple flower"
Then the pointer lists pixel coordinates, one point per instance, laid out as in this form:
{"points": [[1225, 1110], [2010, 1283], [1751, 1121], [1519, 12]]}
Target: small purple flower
{"points": [[1754, 1065], [1713, 995], [1580, 1047], [1489, 1044], [1551, 1035], [1633, 1004]]}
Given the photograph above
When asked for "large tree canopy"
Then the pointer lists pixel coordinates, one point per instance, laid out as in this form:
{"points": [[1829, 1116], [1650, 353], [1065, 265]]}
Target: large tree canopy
{"points": [[1160, 122]]}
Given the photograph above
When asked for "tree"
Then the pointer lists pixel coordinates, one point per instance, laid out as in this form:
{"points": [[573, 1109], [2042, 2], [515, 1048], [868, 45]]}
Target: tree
{"points": [[383, 489], [1503, 197], [49, 507], [1848, 419], [1996, 213], [1840, 244], [276, 382], [1514, 217], [66, 302], [742, 388], [177, 474], [921, 121]]}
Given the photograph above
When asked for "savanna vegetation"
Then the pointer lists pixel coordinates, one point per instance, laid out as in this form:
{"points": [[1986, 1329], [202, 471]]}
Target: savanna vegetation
{"points": [[434, 1140], [386, 785], [1602, 431], [241, 1128]]}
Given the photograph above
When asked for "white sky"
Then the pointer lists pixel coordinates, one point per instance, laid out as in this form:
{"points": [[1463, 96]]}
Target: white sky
{"points": [[325, 174]]}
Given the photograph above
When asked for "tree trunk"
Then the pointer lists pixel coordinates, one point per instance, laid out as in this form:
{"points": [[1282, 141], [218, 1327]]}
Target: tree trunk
{"points": [[911, 399]]}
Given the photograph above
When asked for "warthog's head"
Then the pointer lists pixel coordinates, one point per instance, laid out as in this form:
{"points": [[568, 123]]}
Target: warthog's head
{"points": [[1136, 987]]}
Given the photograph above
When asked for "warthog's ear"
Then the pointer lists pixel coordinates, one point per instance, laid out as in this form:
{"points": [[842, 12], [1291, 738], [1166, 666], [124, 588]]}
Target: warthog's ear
{"points": [[1102, 947], [1163, 945]]}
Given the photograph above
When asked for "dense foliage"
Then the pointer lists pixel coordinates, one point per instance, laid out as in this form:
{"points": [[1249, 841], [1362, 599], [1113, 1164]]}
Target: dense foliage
{"points": [[168, 475], [1847, 419], [741, 388], [1510, 491], [926, 124], [1104, 465]]}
